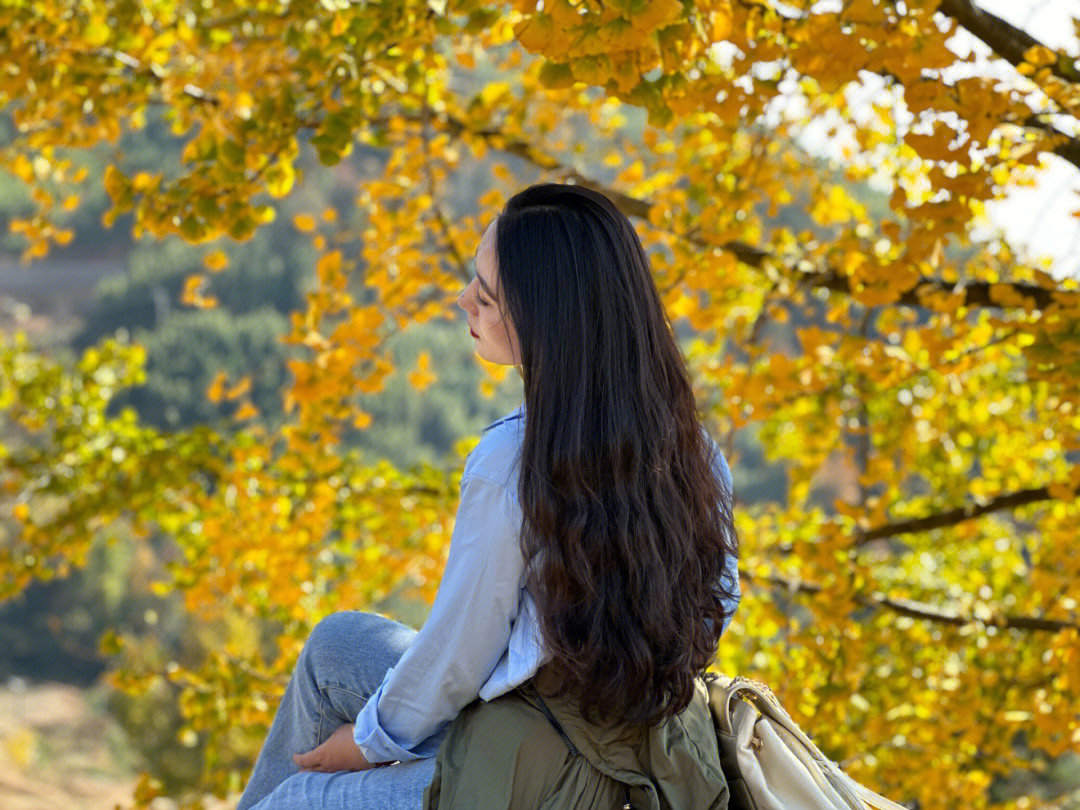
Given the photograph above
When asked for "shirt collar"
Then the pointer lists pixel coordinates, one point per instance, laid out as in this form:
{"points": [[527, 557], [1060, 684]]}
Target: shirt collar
{"points": [[517, 413]]}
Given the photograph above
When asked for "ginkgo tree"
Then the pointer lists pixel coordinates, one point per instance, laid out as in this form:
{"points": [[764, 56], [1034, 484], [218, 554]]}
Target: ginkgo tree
{"points": [[922, 619]]}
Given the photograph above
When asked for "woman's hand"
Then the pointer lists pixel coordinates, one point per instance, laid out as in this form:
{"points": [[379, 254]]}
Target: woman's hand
{"points": [[338, 753]]}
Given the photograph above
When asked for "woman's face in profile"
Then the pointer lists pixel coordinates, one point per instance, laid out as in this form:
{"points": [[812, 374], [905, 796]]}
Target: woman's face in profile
{"points": [[496, 340]]}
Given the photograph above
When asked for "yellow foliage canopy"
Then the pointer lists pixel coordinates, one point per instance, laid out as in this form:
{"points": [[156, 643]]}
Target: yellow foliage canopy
{"points": [[913, 594]]}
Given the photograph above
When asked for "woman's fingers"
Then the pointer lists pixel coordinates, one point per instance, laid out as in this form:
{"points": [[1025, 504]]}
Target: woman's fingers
{"points": [[313, 760], [338, 753], [308, 761]]}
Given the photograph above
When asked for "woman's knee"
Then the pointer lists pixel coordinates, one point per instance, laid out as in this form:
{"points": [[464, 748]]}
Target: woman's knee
{"points": [[334, 635], [351, 640], [339, 627]]}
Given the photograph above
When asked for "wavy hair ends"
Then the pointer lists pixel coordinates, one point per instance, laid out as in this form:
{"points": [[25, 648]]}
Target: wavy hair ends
{"points": [[627, 528]]}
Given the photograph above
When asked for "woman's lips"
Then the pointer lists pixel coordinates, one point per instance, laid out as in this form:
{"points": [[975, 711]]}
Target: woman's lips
{"points": [[471, 332]]}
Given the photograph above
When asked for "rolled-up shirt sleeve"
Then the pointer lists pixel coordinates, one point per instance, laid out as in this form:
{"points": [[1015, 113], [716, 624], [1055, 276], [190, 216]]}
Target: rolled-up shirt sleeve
{"points": [[464, 637]]}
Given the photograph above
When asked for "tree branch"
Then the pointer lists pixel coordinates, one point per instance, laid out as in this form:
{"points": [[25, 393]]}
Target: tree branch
{"points": [[1011, 43], [1004, 38], [460, 264], [951, 517], [975, 293], [1068, 150], [921, 610]]}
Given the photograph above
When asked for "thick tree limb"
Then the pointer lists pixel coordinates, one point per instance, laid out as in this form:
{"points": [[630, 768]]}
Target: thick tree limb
{"points": [[951, 517], [975, 293], [921, 610], [1004, 38]]}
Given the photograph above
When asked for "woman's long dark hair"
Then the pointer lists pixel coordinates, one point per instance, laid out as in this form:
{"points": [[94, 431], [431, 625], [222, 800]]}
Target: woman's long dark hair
{"points": [[627, 528]]}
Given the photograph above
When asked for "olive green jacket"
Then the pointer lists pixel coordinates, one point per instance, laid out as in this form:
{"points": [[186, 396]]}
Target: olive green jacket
{"points": [[507, 755]]}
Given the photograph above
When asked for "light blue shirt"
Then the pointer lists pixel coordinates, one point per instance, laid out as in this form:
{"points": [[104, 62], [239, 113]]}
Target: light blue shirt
{"points": [[482, 637]]}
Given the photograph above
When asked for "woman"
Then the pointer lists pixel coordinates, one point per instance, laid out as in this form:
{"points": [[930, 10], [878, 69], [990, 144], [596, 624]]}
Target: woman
{"points": [[593, 538]]}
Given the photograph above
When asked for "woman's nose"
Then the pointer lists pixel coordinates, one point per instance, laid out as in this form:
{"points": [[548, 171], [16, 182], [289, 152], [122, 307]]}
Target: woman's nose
{"points": [[463, 298]]}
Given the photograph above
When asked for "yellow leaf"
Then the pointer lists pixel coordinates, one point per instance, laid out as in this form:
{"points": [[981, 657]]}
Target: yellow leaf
{"points": [[96, 33], [22, 746], [361, 420], [462, 447], [1007, 296], [304, 222], [239, 389], [422, 377], [656, 14], [1040, 56], [328, 265], [535, 33], [1060, 491], [593, 69], [280, 179], [22, 168], [215, 392], [555, 75], [192, 294], [720, 26], [491, 198], [246, 411], [116, 184], [192, 286], [215, 261], [682, 306]]}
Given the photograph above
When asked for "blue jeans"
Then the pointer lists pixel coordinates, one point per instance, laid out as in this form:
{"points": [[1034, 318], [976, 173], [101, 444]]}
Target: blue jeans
{"points": [[340, 667]]}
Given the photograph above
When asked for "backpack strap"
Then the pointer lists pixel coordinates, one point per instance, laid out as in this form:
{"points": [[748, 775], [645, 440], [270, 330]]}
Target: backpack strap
{"points": [[538, 701], [534, 697]]}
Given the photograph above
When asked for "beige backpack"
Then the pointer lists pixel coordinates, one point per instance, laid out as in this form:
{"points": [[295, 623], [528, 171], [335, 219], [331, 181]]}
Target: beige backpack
{"points": [[769, 762]]}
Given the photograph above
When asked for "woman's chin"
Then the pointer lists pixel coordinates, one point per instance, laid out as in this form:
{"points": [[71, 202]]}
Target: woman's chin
{"points": [[489, 358]]}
